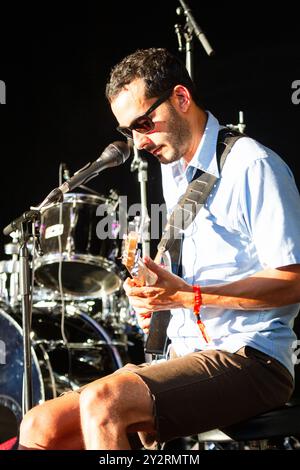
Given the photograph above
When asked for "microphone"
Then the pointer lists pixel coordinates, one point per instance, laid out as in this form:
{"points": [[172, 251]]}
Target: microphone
{"points": [[114, 155]]}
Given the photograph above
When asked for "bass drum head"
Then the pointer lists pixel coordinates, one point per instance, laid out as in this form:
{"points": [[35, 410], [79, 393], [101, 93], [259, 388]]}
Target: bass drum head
{"points": [[57, 368], [88, 355]]}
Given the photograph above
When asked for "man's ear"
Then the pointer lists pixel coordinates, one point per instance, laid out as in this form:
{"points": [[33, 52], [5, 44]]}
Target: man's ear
{"points": [[182, 97]]}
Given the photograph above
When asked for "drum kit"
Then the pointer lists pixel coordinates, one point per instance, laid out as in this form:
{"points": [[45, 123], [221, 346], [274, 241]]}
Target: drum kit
{"points": [[82, 327]]}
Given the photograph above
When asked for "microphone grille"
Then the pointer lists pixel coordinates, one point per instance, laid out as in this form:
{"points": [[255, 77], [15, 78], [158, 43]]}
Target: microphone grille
{"points": [[122, 149]]}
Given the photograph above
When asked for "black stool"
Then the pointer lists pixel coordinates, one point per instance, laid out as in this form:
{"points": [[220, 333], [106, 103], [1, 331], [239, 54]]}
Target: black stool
{"points": [[278, 423]]}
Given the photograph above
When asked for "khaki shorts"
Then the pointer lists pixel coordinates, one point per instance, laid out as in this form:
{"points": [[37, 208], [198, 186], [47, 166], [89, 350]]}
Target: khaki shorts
{"points": [[210, 389]]}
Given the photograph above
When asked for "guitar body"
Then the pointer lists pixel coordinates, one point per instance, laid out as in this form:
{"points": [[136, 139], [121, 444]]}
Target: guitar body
{"points": [[157, 340]]}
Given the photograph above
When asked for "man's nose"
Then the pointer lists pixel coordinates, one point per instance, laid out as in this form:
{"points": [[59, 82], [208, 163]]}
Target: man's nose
{"points": [[140, 140]]}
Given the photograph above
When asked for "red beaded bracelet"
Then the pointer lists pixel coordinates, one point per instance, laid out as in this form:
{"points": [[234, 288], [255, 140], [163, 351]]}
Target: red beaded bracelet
{"points": [[197, 305]]}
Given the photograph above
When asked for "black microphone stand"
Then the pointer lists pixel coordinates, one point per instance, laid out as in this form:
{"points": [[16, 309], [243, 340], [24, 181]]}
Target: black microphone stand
{"points": [[22, 226], [25, 286], [188, 31]]}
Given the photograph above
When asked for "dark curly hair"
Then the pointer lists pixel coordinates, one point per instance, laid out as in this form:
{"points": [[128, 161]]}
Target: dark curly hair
{"points": [[159, 69]]}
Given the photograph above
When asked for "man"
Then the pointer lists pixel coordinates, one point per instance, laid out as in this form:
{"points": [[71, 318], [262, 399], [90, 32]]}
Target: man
{"points": [[240, 260]]}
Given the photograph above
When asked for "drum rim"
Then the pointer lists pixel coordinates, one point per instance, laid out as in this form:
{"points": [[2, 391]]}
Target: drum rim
{"points": [[34, 357], [98, 261], [95, 260], [70, 198]]}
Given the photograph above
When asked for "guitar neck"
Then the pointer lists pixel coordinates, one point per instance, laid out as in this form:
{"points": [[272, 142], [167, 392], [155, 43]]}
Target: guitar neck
{"points": [[157, 339]]}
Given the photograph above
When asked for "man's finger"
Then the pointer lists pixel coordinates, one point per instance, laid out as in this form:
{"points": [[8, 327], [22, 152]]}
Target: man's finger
{"points": [[161, 272]]}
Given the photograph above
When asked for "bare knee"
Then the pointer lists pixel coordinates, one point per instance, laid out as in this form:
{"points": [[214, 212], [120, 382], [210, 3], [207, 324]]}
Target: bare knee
{"points": [[124, 398], [98, 403], [35, 429], [53, 425]]}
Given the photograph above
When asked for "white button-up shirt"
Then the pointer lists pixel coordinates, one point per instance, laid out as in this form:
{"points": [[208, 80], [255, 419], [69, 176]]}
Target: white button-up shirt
{"points": [[250, 222]]}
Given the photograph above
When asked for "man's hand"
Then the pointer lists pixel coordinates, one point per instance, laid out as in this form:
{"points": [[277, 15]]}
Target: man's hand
{"points": [[143, 315], [144, 319], [170, 291]]}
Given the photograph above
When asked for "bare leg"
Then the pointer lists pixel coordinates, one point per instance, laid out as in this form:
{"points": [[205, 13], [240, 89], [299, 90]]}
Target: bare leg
{"points": [[110, 409], [98, 418], [55, 424]]}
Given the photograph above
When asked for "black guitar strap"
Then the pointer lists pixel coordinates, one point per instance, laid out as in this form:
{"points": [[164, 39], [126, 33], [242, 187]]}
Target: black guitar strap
{"points": [[181, 217]]}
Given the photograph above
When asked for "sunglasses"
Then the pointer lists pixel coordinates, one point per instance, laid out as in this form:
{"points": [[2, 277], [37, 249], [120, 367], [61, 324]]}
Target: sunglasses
{"points": [[144, 124]]}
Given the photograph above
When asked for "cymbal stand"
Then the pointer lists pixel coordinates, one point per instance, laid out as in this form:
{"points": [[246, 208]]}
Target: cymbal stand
{"points": [[188, 31], [240, 126]]}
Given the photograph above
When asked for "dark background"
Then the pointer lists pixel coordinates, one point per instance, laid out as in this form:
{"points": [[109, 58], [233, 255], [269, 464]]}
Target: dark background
{"points": [[56, 60]]}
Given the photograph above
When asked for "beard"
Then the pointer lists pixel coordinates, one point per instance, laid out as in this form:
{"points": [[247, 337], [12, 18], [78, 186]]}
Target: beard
{"points": [[179, 136]]}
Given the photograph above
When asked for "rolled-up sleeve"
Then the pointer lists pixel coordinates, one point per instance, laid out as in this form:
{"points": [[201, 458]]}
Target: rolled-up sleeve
{"points": [[270, 205]]}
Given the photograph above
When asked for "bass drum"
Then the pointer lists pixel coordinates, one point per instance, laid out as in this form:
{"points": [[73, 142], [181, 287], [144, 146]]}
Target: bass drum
{"points": [[56, 367]]}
